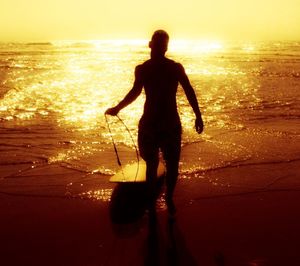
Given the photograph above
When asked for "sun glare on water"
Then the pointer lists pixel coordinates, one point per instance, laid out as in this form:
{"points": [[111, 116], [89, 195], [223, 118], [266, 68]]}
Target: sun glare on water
{"points": [[195, 47], [72, 84], [80, 83], [67, 86]]}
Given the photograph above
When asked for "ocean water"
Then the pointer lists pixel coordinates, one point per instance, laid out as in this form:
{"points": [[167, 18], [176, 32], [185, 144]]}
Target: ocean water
{"points": [[53, 134]]}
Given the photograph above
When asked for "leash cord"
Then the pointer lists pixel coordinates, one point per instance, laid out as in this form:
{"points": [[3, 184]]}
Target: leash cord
{"points": [[115, 146]]}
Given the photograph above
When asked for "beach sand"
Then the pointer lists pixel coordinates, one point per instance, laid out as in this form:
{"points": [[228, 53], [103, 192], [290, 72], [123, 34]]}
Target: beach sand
{"points": [[253, 224]]}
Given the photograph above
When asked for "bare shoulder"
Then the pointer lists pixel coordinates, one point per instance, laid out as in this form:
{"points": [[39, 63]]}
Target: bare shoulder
{"points": [[147, 63], [175, 65], [142, 67], [180, 67], [179, 70], [139, 69]]}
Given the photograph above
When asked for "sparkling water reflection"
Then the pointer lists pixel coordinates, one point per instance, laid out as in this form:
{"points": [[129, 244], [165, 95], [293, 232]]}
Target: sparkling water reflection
{"points": [[53, 97]]}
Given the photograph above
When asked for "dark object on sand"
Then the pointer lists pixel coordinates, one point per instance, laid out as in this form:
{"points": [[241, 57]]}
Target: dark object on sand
{"points": [[129, 201]]}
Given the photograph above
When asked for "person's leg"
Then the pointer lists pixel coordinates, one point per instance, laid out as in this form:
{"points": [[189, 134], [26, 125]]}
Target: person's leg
{"points": [[151, 178], [171, 180], [171, 151], [149, 152]]}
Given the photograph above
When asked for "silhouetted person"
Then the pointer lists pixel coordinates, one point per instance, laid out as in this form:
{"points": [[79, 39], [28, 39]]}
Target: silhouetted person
{"points": [[160, 127]]}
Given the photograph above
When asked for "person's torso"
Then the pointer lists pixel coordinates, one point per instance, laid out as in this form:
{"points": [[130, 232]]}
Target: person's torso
{"points": [[160, 81]]}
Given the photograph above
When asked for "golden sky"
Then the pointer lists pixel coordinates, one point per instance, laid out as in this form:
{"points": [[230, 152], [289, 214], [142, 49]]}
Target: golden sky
{"points": [[43, 20]]}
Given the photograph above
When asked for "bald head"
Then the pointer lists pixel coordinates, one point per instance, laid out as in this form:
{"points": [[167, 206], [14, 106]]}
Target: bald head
{"points": [[159, 43]]}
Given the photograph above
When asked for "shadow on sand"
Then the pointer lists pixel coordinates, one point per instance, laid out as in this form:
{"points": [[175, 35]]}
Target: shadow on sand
{"points": [[164, 244], [167, 247]]}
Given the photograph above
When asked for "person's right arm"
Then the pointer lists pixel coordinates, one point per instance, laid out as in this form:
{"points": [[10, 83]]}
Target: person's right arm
{"points": [[131, 95], [191, 96]]}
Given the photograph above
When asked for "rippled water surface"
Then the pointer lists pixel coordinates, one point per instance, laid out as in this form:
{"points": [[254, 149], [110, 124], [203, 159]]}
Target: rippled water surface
{"points": [[53, 96]]}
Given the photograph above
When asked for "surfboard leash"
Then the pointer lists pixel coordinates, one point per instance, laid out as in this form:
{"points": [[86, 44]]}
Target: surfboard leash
{"points": [[115, 146], [113, 141]]}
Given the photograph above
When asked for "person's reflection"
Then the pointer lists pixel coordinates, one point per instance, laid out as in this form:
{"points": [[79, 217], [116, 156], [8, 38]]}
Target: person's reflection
{"points": [[173, 253], [152, 256], [171, 248]]}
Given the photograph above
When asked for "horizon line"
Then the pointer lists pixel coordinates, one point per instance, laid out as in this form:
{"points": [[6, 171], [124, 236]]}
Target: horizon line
{"points": [[141, 40]]}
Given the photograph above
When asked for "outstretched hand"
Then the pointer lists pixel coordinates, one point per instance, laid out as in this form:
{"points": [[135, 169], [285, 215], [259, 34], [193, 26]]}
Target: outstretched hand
{"points": [[112, 111], [199, 125]]}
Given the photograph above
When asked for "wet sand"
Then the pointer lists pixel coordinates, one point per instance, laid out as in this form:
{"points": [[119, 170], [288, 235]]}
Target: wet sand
{"points": [[250, 224]]}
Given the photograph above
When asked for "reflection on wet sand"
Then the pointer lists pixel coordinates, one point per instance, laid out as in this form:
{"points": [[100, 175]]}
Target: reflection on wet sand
{"points": [[166, 246]]}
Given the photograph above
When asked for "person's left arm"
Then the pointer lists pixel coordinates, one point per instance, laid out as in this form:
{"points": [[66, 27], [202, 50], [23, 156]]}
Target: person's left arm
{"points": [[191, 96]]}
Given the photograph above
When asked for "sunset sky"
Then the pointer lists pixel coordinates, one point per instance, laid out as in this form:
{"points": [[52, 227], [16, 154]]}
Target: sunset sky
{"points": [[37, 20]]}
